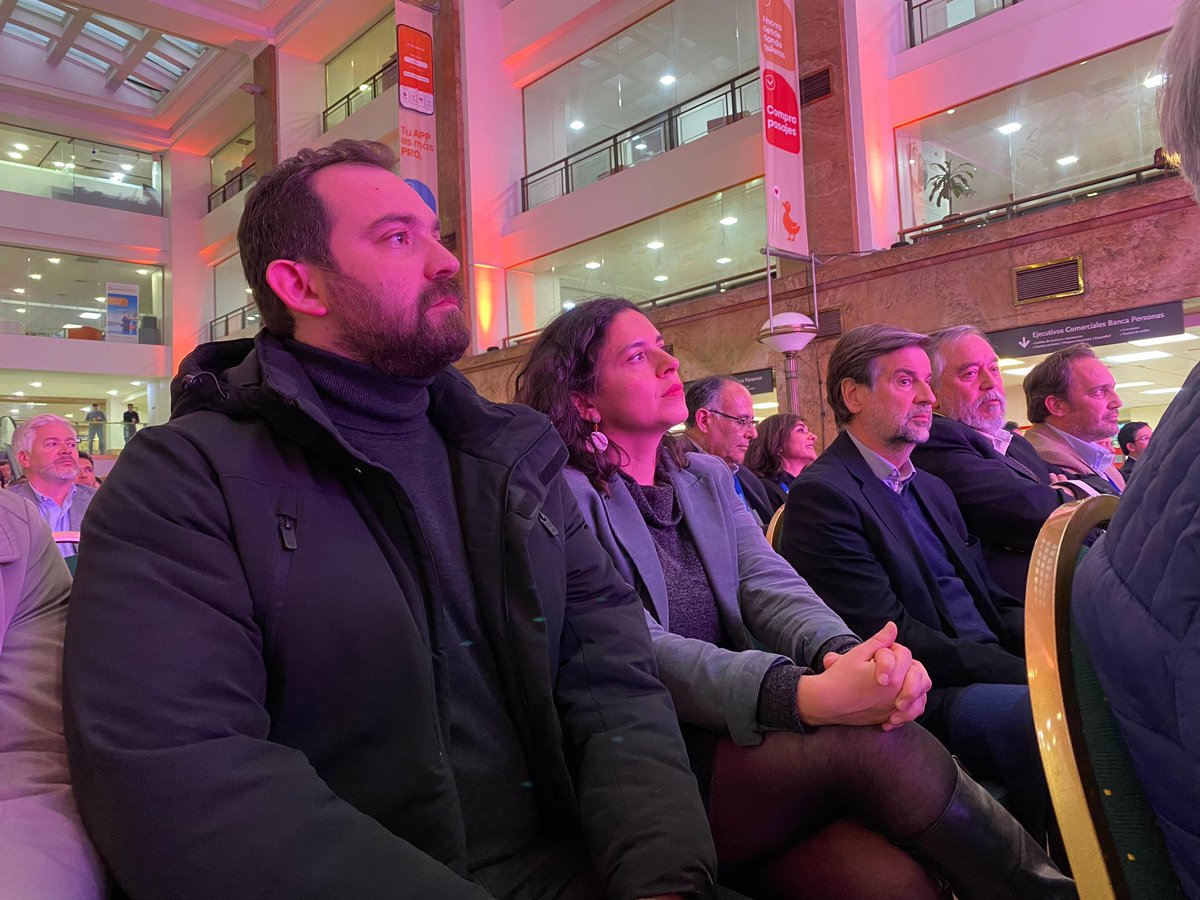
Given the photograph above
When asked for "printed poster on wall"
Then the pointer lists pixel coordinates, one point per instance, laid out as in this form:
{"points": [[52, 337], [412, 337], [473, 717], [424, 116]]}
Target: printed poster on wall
{"points": [[418, 141], [787, 229], [122, 306]]}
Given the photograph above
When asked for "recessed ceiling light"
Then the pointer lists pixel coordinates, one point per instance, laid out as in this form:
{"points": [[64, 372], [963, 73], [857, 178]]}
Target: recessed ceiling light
{"points": [[72, 325], [724, 260], [729, 220], [251, 318], [591, 265], [667, 80], [568, 305], [575, 125], [1067, 160], [1132, 384], [1008, 361], [143, 271], [1024, 370], [70, 165], [35, 276], [951, 112], [249, 290], [15, 411], [21, 147], [112, 393], [1171, 390], [35, 384], [1093, 194], [136, 383], [18, 393], [13, 154], [766, 404], [364, 87], [1136, 357], [89, 315], [126, 167], [20, 309], [99, 299], [83, 409], [654, 245], [53, 260], [1168, 339], [117, 176], [18, 290], [1010, 128], [1154, 81], [639, 146], [660, 277], [57, 164]]}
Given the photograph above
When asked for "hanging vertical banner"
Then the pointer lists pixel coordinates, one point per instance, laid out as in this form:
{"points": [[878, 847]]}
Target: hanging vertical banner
{"points": [[787, 229], [121, 323], [418, 134]]}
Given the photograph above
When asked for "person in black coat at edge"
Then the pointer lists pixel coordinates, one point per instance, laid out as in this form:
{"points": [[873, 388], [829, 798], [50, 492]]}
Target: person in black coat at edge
{"points": [[1135, 600], [880, 540], [1003, 488], [338, 628]]}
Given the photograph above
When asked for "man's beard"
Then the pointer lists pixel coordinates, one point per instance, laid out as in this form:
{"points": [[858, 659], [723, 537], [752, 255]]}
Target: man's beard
{"points": [[397, 340], [973, 416], [60, 471]]}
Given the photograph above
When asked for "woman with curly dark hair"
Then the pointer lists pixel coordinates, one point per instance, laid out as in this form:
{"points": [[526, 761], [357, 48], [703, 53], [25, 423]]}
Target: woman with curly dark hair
{"points": [[816, 781], [783, 448]]}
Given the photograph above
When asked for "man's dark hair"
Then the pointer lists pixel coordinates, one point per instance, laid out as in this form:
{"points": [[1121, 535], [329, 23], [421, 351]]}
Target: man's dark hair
{"points": [[856, 356], [1051, 378], [285, 219], [703, 394], [1128, 434], [87, 456]]}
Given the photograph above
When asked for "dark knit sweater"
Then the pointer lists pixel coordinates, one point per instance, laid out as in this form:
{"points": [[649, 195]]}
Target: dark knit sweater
{"points": [[385, 418]]}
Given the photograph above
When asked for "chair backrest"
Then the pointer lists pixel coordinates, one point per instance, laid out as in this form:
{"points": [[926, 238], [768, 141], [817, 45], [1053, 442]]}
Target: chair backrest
{"points": [[775, 528], [1110, 832]]}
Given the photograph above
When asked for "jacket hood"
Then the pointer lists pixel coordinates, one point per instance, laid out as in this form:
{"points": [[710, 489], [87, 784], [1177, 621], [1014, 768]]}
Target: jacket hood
{"points": [[258, 378]]}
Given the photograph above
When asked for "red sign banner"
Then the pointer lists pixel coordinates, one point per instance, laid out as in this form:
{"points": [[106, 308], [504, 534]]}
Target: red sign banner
{"points": [[418, 131], [783, 162]]}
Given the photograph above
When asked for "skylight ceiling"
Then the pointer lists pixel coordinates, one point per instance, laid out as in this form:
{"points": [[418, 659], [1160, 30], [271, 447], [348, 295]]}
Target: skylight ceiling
{"points": [[118, 52]]}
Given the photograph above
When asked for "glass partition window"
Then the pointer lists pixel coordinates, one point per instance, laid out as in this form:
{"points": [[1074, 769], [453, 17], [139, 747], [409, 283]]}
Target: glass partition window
{"points": [[41, 164], [351, 69], [50, 294], [708, 243], [233, 159], [230, 288], [1088, 121], [929, 18], [678, 52]]}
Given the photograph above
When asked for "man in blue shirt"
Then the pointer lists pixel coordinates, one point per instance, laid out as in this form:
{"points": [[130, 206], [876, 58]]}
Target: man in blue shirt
{"points": [[48, 450]]}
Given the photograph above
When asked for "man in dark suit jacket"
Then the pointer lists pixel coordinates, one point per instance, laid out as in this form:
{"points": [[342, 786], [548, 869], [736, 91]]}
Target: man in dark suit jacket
{"points": [[721, 423], [880, 540], [1004, 489]]}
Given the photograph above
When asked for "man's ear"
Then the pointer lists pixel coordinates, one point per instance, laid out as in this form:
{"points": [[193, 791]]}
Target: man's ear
{"points": [[1056, 406], [853, 395], [299, 285], [703, 420], [23, 459], [585, 407]]}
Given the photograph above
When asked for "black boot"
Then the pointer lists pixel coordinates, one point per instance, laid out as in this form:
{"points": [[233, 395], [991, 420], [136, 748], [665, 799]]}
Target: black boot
{"points": [[985, 854]]}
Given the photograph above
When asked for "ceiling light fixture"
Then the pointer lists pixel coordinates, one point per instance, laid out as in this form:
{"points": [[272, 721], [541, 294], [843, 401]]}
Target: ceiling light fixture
{"points": [[1170, 390], [654, 245], [99, 299], [71, 325], [667, 80], [13, 154], [35, 276], [1067, 160], [89, 315], [20, 309], [639, 146], [117, 176], [729, 220], [136, 383], [143, 271], [126, 167], [724, 261], [591, 265], [18, 290], [575, 125], [22, 147], [35, 384], [660, 277], [1023, 371], [951, 112], [53, 260], [112, 393], [57, 164], [1144, 356], [568, 305], [1010, 128], [1131, 384], [1154, 81], [18, 393], [1008, 361], [766, 404], [1168, 339]]}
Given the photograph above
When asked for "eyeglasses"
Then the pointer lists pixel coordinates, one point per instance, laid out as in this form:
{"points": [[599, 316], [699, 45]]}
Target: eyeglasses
{"points": [[742, 421]]}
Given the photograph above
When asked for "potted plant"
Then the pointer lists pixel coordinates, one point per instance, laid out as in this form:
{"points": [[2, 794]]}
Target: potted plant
{"points": [[950, 180]]}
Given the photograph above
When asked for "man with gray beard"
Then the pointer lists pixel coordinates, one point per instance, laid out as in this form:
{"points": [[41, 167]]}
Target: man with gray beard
{"points": [[1004, 489]]}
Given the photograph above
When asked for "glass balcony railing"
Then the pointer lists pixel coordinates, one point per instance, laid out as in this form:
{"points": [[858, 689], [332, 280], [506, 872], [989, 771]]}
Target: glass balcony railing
{"points": [[679, 125], [233, 322], [929, 18], [234, 186], [347, 106]]}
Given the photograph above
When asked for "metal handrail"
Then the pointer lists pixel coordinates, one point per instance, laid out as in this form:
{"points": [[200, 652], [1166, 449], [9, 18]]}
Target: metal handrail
{"points": [[668, 120], [1033, 202], [692, 293], [916, 21], [375, 85], [232, 187], [220, 326]]}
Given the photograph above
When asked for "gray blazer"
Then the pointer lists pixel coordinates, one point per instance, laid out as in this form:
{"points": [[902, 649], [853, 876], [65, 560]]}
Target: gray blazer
{"points": [[83, 498], [759, 596], [44, 851]]}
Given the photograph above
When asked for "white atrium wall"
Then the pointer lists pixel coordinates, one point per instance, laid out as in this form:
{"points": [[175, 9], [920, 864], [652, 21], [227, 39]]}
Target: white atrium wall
{"points": [[891, 85]]}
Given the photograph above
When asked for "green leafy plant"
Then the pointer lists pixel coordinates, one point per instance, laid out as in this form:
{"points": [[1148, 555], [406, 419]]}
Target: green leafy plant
{"points": [[950, 180]]}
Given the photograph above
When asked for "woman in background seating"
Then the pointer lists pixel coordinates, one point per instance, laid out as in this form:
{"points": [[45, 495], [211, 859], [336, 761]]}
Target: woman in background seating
{"points": [[781, 451], [810, 768]]}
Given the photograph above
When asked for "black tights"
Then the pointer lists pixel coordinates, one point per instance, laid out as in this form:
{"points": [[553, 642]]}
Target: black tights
{"points": [[816, 815]]}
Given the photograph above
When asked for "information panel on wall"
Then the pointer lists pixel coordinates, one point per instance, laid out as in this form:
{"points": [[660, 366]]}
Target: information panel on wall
{"points": [[418, 132], [121, 321], [1159, 320], [787, 230]]}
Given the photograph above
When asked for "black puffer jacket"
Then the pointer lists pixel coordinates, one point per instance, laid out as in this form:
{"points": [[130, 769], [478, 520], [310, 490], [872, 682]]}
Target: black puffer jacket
{"points": [[251, 697]]}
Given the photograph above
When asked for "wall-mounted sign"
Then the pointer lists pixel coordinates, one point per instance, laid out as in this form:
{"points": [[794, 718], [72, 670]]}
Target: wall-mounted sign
{"points": [[1159, 320], [415, 50], [757, 381], [121, 323], [418, 127]]}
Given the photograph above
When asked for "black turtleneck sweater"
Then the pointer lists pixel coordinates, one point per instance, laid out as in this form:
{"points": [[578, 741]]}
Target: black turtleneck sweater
{"points": [[385, 418]]}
